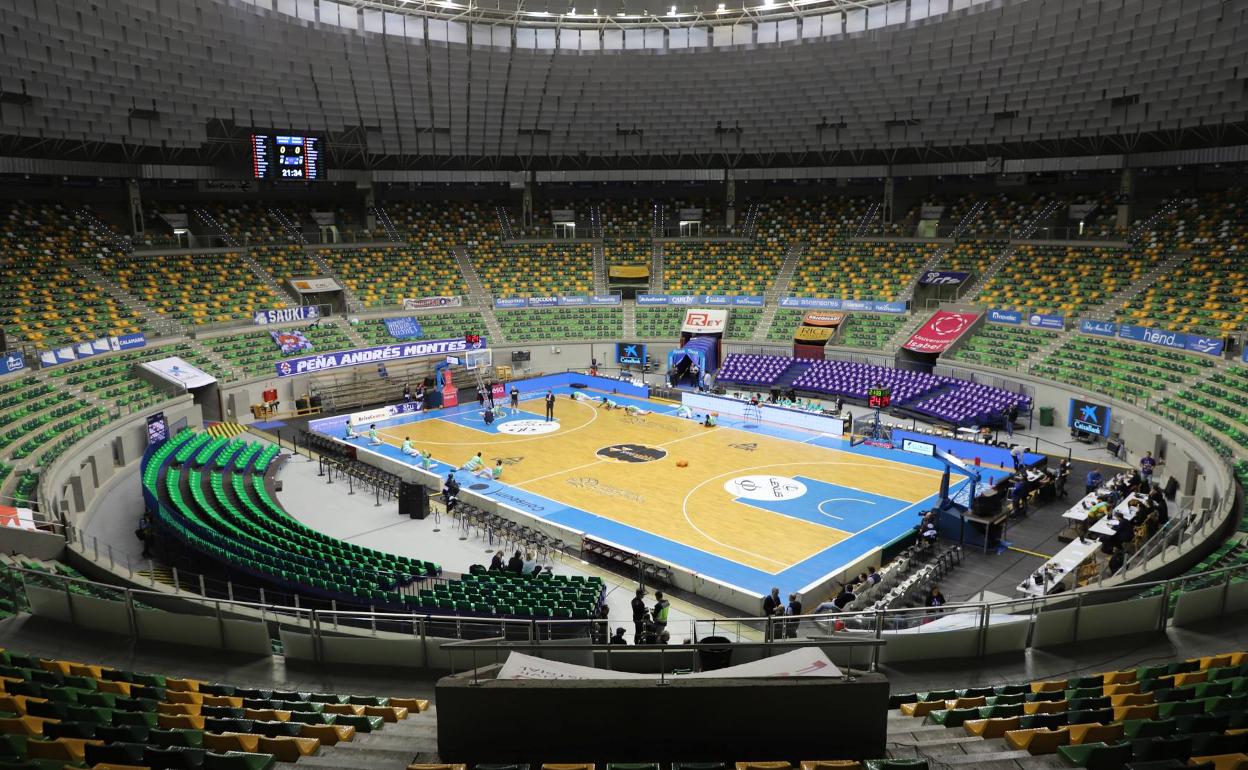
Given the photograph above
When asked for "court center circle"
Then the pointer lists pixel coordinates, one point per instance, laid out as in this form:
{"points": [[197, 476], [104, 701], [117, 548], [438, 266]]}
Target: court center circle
{"points": [[527, 427], [765, 487]]}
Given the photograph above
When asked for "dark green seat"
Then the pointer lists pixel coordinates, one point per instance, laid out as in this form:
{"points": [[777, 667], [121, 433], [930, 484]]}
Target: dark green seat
{"points": [[1210, 744], [178, 736], [313, 717], [1149, 728], [173, 757], [140, 718], [1181, 707], [122, 733], [999, 711], [1172, 747], [952, 717], [1035, 721], [1007, 700], [119, 753], [633, 766], [1097, 756], [1083, 704], [277, 729], [54, 730], [1087, 716], [1202, 723], [362, 724]]}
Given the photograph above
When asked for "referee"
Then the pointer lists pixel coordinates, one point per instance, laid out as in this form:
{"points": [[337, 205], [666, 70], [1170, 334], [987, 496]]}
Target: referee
{"points": [[550, 405]]}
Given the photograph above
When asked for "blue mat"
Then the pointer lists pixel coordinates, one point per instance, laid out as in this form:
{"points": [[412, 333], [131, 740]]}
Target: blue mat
{"points": [[270, 425]]}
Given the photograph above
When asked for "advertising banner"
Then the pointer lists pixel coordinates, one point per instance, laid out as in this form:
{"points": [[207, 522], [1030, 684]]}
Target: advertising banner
{"points": [[705, 321], [813, 333], [383, 412], [1210, 346], [1043, 321], [375, 355], [290, 341], [13, 361], [543, 301], [630, 353], [943, 278], [1099, 328], [888, 307], [1001, 316], [940, 331], [819, 318], [605, 299], [931, 212], [506, 303], [573, 301], [404, 328], [1088, 417], [716, 299], [425, 303], [748, 300], [84, 349], [828, 303], [653, 299], [127, 341], [286, 315], [684, 299]]}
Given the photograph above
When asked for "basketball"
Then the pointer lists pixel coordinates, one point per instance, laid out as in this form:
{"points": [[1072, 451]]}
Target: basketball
{"points": [[682, 463]]}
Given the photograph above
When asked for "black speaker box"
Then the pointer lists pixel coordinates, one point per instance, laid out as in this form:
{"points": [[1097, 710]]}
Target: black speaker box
{"points": [[413, 500]]}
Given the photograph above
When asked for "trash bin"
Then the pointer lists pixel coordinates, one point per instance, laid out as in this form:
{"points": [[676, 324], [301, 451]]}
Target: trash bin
{"points": [[712, 658], [1046, 416]]}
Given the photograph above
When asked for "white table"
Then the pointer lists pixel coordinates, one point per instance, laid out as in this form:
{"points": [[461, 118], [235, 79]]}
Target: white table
{"points": [[1065, 563]]}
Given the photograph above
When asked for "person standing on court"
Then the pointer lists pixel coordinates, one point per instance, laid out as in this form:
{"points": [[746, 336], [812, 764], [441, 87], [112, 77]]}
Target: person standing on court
{"points": [[661, 609], [480, 397], [550, 405], [639, 615], [515, 398]]}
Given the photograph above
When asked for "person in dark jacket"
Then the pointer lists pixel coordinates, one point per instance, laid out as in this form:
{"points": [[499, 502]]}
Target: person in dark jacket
{"points": [[772, 602], [639, 615], [515, 563], [619, 636], [496, 564]]}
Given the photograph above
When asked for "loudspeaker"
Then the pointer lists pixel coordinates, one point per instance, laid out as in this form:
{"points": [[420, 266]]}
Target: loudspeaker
{"points": [[413, 500]]}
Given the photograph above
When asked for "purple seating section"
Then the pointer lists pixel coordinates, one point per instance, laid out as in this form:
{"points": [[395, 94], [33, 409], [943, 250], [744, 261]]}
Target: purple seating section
{"points": [[945, 398], [850, 379], [753, 370]]}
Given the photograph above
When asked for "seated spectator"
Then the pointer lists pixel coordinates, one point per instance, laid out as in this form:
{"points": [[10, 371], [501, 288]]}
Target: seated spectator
{"points": [[496, 564], [1093, 481], [844, 598], [873, 576], [935, 598], [619, 636], [529, 564], [373, 439], [515, 564], [1116, 559], [351, 432], [407, 447]]}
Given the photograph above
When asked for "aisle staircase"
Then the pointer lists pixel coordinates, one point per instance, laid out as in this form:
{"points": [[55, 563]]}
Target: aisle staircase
{"points": [[152, 322], [792, 372], [629, 332], [1114, 304], [600, 268], [353, 304], [477, 296], [656, 267], [778, 289], [392, 232]]}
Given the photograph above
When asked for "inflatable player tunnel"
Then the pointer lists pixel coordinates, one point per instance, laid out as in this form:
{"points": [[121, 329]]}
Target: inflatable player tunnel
{"points": [[701, 340]]}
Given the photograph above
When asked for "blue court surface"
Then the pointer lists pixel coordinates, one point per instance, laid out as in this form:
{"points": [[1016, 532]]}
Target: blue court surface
{"points": [[872, 520]]}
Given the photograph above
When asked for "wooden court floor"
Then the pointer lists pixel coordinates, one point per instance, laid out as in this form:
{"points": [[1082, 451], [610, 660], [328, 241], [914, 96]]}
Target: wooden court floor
{"points": [[687, 505]]}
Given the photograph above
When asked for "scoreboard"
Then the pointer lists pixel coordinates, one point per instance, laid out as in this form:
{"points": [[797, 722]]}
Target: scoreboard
{"points": [[879, 397], [286, 157]]}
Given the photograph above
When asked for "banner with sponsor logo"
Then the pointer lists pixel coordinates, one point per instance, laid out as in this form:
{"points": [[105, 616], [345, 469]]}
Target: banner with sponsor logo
{"points": [[815, 334], [705, 321], [818, 318], [940, 331], [1001, 316], [1099, 328], [1045, 321], [127, 341], [604, 299], [282, 315], [829, 303], [383, 412], [943, 278], [290, 341], [543, 301], [12, 361], [1210, 346], [424, 303], [506, 303], [404, 328], [734, 300], [1245, 356], [375, 355], [80, 350]]}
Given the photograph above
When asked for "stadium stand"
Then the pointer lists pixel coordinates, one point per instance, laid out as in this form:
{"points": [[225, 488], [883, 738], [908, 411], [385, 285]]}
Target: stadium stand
{"points": [[64, 713], [1002, 346], [111, 377], [871, 330], [40, 293], [380, 276], [199, 288], [254, 353], [1122, 369], [877, 270], [286, 262], [783, 324], [627, 218], [709, 267], [434, 325], [562, 323], [1064, 279], [535, 269], [663, 322]]}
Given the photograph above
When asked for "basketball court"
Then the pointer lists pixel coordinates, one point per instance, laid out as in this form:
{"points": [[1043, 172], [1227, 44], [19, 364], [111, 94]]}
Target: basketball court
{"points": [[746, 504]]}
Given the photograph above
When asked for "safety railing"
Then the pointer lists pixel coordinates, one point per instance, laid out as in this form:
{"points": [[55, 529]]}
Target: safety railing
{"points": [[319, 616]]}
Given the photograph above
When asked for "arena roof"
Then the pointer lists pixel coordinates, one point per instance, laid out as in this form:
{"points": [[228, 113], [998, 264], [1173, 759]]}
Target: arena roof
{"points": [[185, 81]]}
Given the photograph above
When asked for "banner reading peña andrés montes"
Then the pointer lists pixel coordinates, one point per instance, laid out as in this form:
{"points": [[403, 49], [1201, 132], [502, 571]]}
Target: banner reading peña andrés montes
{"points": [[344, 358]]}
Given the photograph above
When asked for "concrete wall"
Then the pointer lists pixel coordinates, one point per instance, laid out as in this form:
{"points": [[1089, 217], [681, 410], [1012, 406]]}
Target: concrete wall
{"points": [[689, 720], [78, 476]]}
